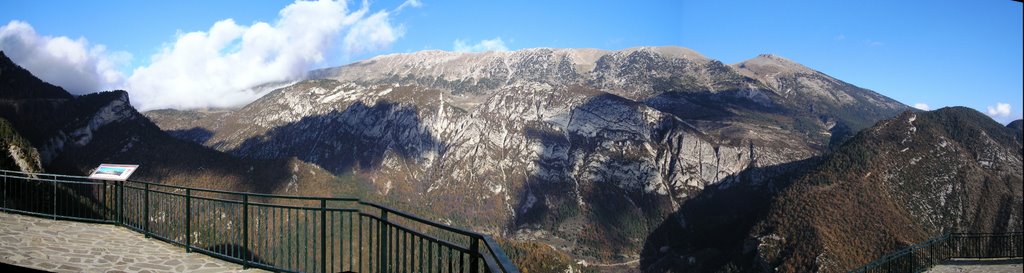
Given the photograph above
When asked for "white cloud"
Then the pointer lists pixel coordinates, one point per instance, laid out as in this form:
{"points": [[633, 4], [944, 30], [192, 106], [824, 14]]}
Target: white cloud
{"points": [[70, 63], [495, 44], [219, 67], [922, 106], [1000, 110], [409, 3], [371, 34]]}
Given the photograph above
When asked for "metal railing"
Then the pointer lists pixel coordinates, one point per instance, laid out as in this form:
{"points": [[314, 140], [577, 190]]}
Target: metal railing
{"points": [[925, 255], [274, 232]]}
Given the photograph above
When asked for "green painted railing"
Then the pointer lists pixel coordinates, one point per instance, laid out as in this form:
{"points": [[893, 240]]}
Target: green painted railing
{"points": [[925, 255], [274, 232]]}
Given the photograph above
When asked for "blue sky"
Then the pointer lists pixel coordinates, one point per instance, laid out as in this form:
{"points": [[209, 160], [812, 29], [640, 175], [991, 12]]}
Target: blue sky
{"points": [[939, 53]]}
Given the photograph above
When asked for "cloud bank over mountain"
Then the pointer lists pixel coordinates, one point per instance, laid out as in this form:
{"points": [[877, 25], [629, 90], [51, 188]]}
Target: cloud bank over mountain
{"points": [[220, 66], [70, 63], [217, 67]]}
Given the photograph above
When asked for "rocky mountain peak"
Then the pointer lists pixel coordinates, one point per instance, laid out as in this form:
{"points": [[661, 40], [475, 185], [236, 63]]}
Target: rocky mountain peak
{"points": [[482, 72], [676, 52], [769, 64], [817, 92]]}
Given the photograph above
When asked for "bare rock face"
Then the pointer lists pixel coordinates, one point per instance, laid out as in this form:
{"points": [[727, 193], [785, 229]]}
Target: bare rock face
{"points": [[580, 148], [18, 154]]}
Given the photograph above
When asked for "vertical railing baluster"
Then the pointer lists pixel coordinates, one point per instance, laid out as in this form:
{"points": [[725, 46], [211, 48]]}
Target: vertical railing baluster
{"points": [[120, 202], [103, 198], [145, 214], [360, 217], [188, 220], [375, 245], [420, 255], [290, 236], [276, 214], [382, 240], [400, 252], [330, 240], [54, 208], [261, 231], [306, 230], [215, 222], [245, 231], [323, 235], [286, 251], [350, 236], [474, 248]]}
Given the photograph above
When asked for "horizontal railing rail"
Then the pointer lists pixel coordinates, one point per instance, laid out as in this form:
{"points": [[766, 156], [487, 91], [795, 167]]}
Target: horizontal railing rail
{"points": [[274, 232], [925, 255]]}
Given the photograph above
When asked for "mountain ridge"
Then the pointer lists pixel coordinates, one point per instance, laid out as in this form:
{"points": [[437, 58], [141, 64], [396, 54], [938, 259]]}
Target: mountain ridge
{"points": [[544, 145], [590, 164], [21, 83], [74, 134]]}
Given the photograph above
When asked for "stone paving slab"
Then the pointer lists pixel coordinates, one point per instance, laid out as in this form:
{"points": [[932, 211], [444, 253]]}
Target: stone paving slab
{"points": [[979, 266], [68, 246]]}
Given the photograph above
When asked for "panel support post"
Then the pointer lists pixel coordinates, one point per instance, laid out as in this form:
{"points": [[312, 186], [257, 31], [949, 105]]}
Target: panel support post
{"points": [[106, 206], [120, 203]]}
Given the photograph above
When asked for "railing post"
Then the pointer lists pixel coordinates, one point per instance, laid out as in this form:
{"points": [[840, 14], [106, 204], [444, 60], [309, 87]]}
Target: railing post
{"points": [[323, 235], [145, 214], [382, 236], [5, 190], [474, 256], [245, 230], [188, 220]]}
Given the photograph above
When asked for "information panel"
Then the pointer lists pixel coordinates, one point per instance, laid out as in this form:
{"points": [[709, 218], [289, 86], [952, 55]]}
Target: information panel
{"points": [[113, 172]]}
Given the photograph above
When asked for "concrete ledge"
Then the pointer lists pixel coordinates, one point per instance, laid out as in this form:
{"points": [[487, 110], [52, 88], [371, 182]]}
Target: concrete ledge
{"points": [[1011, 265]]}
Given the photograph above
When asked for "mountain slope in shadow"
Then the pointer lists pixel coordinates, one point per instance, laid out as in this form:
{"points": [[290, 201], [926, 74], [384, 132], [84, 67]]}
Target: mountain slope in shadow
{"points": [[75, 134], [900, 182]]}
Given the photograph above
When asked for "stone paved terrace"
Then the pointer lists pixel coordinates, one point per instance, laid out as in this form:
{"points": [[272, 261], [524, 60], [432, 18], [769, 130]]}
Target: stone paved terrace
{"points": [[68, 246], [979, 266]]}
